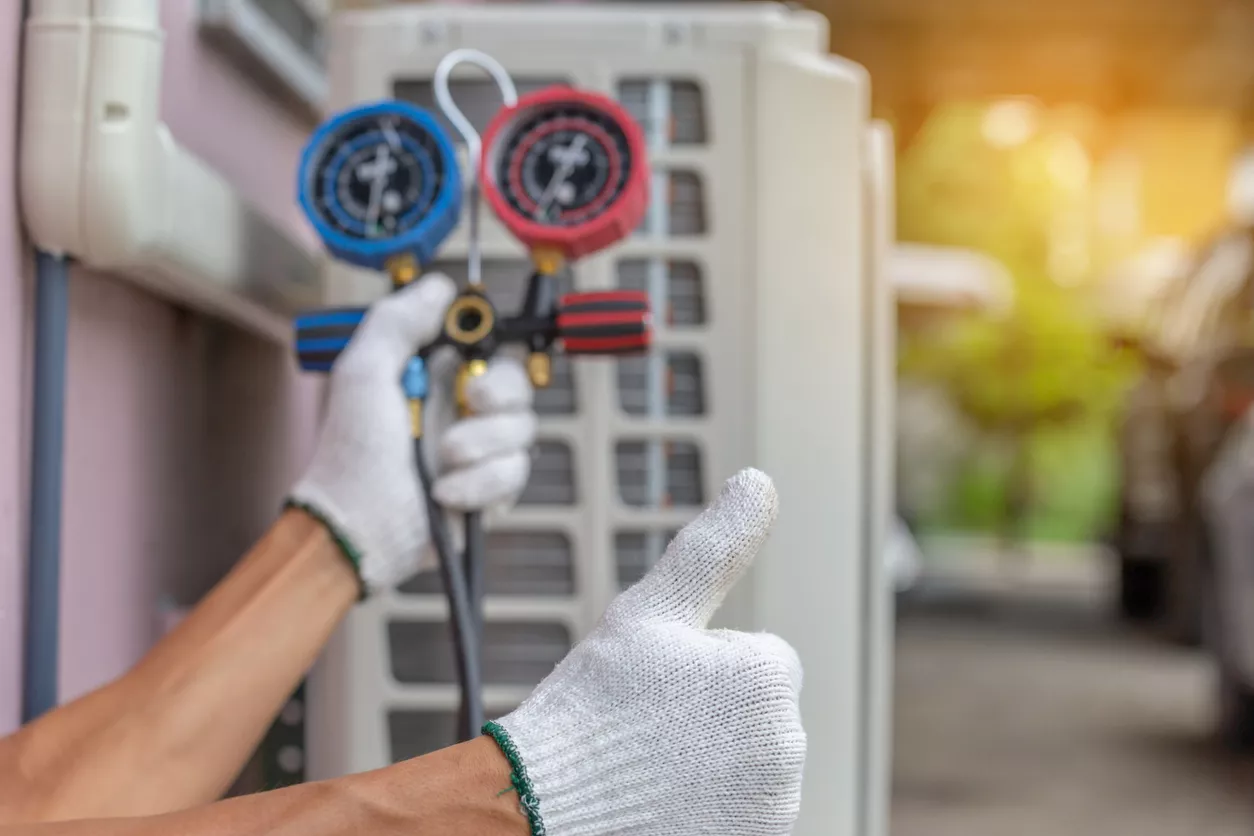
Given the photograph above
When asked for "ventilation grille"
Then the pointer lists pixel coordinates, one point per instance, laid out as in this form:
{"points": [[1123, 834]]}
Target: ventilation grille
{"points": [[679, 105], [514, 653], [682, 388], [643, 484], [505, 279], [685, 296], [416, 733], [479, 99], [413, 734], [518, 563], [636, 552], [558, 398], [277, 45], [552, 475], [305, 30], [682, 211]]}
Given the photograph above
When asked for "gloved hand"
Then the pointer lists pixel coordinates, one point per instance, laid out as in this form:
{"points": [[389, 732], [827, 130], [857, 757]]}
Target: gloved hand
{"points": [[363, 481], [654, 725]]}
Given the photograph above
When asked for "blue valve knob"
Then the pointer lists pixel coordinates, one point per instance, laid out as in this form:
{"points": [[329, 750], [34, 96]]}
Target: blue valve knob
{"points": [[414, 380], [322, 335]]}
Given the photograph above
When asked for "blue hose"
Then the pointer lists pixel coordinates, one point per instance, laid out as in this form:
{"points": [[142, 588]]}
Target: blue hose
{"points": [[43, 589]]}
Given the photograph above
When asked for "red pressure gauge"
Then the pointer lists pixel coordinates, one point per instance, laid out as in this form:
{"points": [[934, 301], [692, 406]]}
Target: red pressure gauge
{"points": [[566, 171]]}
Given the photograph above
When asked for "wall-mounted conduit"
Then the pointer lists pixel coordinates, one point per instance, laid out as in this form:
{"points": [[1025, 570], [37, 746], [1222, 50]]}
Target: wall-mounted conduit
{"points": [[43, 574], [103, 181]]}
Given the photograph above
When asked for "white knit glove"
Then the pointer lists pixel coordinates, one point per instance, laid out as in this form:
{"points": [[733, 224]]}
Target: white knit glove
{"points": [[363, 482], [656, 726]]}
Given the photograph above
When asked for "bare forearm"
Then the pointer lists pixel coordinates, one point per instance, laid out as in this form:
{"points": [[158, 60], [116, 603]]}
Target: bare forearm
{"points": [[458, 791], [189, 714]]}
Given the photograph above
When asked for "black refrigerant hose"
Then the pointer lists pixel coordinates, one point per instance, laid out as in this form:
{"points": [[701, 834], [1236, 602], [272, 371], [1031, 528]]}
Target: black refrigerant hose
{"points": [[464, 620]]}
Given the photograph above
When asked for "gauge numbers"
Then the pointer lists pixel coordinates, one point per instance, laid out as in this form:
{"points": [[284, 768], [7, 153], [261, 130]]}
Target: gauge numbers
{"points": [[563, 165], [378, 177]]}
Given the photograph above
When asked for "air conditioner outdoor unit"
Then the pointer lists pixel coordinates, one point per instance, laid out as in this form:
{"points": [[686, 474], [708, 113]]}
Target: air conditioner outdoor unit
{"points": [[764, 254]]}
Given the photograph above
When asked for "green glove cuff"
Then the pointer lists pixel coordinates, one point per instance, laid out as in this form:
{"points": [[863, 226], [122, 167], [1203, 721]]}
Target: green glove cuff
{"points": [[518, 777], [349, 551]]}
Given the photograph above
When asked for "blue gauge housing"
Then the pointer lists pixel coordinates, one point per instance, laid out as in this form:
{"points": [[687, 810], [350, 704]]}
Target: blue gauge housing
{"points": [[381, 180]]}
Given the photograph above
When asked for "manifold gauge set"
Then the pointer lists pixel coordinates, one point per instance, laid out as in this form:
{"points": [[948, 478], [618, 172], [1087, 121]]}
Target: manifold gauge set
{"points": [[565, 172]]}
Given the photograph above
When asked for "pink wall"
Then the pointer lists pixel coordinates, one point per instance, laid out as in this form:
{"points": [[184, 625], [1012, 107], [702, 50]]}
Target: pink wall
{"points": [[181, 434], [132, 382], [214, 113], [14, 305]]}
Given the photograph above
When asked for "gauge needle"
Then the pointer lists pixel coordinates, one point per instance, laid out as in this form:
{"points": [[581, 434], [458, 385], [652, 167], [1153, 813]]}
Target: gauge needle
{"points": [[377, 172], [569, 157], [390, 134]]}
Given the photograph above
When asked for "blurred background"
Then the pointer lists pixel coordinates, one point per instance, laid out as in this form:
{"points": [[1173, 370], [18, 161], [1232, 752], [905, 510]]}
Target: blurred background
{"points": [[1074, 281], [1074, 653]]}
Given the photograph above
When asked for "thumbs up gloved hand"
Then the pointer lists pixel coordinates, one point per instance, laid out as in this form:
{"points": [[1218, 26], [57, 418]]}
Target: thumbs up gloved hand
{"points": [[363, 480], [654, 725]]}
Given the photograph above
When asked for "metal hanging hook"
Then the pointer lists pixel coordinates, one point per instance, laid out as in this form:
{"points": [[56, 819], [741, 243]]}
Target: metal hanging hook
{"points": [[474, 143]]}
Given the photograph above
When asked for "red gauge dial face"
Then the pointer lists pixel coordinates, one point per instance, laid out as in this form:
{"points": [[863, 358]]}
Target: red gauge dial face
{"points": [[566, 169]]}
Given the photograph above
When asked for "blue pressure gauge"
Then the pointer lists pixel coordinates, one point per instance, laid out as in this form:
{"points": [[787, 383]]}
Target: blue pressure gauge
{"points": [[381, 180]]}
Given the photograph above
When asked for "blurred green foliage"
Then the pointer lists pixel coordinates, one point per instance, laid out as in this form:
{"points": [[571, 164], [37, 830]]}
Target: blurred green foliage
{"points": [[1074, 482], [1041, 381]]}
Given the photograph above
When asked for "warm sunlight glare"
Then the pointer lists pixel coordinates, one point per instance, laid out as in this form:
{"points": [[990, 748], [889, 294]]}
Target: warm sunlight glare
{"points": [[1010, 123], [1068, 164]]}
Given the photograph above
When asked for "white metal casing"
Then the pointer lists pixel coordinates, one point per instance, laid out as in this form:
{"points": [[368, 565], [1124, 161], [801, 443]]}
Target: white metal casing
{"points": [[795, 353], [244, 26], [103, 181], [881, 421]]}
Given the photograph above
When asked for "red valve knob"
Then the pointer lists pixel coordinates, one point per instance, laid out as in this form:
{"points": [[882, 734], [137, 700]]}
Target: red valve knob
{"points": [[605, 322]]}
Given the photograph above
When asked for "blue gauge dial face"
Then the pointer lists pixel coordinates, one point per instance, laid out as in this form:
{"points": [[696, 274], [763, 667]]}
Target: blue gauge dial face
{"points": [[376, 177]]}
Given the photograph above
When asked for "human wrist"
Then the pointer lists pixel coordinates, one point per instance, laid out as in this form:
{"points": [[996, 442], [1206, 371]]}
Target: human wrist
{"points": [[580, 776], [458, 790], [520, 781], [315, 523], [379, 525]]}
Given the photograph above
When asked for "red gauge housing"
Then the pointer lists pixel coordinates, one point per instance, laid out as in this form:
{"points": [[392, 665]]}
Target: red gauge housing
{"points": [[575, 198]]}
